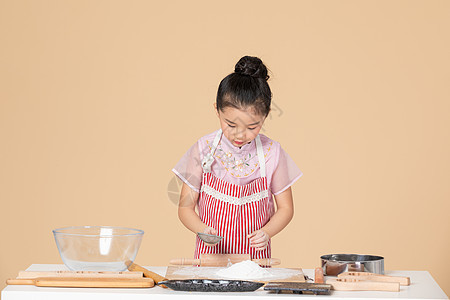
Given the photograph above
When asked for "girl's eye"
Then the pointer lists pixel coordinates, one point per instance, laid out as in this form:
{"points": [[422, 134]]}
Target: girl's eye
{"points": [[232, 126], [252, 128]]}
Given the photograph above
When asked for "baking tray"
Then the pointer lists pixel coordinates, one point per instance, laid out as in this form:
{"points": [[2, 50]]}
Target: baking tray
{"points": [[212, 285], [298, 288]]}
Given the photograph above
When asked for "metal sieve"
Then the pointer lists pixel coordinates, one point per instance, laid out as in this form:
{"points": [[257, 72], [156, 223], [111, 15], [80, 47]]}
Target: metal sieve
{"points": [[209, 238]]}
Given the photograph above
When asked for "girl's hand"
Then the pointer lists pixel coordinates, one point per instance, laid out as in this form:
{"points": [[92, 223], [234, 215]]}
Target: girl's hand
{"points": [[209, 230], [259, 240]]}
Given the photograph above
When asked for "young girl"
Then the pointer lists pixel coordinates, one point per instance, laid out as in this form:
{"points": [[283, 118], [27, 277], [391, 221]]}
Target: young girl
{"points": [[232, 174]]}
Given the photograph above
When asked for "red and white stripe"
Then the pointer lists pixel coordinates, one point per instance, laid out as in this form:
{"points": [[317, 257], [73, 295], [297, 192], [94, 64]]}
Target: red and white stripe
{"points": [[233, 220]]}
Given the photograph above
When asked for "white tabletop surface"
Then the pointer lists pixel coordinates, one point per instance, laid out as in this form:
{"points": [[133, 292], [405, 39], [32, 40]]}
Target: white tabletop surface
{"points": [[423, 286]]}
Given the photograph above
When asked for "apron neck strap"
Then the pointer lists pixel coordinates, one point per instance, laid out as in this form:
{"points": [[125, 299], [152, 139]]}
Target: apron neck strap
{"points": [[209, 157], [261, 158], [216, 141]]}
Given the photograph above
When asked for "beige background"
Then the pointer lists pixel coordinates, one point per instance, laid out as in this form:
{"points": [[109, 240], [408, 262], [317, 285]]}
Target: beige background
{"points": [[99, 100]]}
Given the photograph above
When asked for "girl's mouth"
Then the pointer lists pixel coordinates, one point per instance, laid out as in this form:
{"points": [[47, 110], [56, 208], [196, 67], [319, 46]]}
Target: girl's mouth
{"points": [[238, 143]]}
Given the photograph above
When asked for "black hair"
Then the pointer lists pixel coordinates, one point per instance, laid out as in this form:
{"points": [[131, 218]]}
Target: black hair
{"points": [[246, 87]]}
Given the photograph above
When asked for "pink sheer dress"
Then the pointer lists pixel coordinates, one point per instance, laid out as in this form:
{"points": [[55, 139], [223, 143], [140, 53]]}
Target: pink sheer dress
{"points": [[238, 165]]}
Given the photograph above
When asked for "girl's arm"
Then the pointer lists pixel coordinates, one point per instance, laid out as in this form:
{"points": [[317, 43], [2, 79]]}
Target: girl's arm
{"points": [[282, 217], [186, 210]]}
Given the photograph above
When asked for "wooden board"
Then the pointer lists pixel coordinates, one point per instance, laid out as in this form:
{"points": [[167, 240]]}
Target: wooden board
{"points": [[173, 272], [85, 282], [89, 274]]}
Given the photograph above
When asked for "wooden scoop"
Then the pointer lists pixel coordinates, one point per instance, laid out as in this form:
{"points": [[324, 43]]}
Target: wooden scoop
{"points": [[346, 284], [222, 260], [375, 277]]}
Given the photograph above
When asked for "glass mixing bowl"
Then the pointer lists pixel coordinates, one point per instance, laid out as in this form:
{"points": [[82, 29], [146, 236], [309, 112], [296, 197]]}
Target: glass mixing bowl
{"points": [[98, 248]]}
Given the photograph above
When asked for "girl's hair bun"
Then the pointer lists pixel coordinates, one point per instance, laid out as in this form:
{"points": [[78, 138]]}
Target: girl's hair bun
{"points": [[251, 66], [246, 87]]}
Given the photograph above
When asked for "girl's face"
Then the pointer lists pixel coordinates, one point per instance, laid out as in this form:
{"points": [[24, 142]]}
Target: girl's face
{"points": [[240, 126]]}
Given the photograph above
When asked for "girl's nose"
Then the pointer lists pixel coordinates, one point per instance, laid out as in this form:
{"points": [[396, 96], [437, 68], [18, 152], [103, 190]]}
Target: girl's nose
{"points": [[240, 134]]}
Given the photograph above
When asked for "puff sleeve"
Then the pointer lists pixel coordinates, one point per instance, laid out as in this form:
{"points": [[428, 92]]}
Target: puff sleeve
{"points": [[189, 168], [285, 174]]}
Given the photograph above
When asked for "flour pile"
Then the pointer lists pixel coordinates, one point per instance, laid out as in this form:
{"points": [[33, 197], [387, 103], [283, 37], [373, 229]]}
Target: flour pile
{"points": [[244, 270]]}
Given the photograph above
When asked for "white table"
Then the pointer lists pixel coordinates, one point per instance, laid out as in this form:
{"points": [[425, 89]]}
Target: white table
{"points": [[422, 286]]}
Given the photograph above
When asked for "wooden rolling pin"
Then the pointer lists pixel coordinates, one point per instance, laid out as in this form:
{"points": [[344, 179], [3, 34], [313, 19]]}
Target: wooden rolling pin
{"points": [[91, 274], [375, 277], [318, 275], [222, 260], [344, 284], [85, 282]]}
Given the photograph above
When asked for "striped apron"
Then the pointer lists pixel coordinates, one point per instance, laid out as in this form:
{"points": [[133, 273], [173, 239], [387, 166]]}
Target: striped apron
{"points": [[233, 210]]}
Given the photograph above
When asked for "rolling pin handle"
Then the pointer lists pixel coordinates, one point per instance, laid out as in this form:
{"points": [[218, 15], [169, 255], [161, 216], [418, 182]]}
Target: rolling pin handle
{"points": [[20, 281]]}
